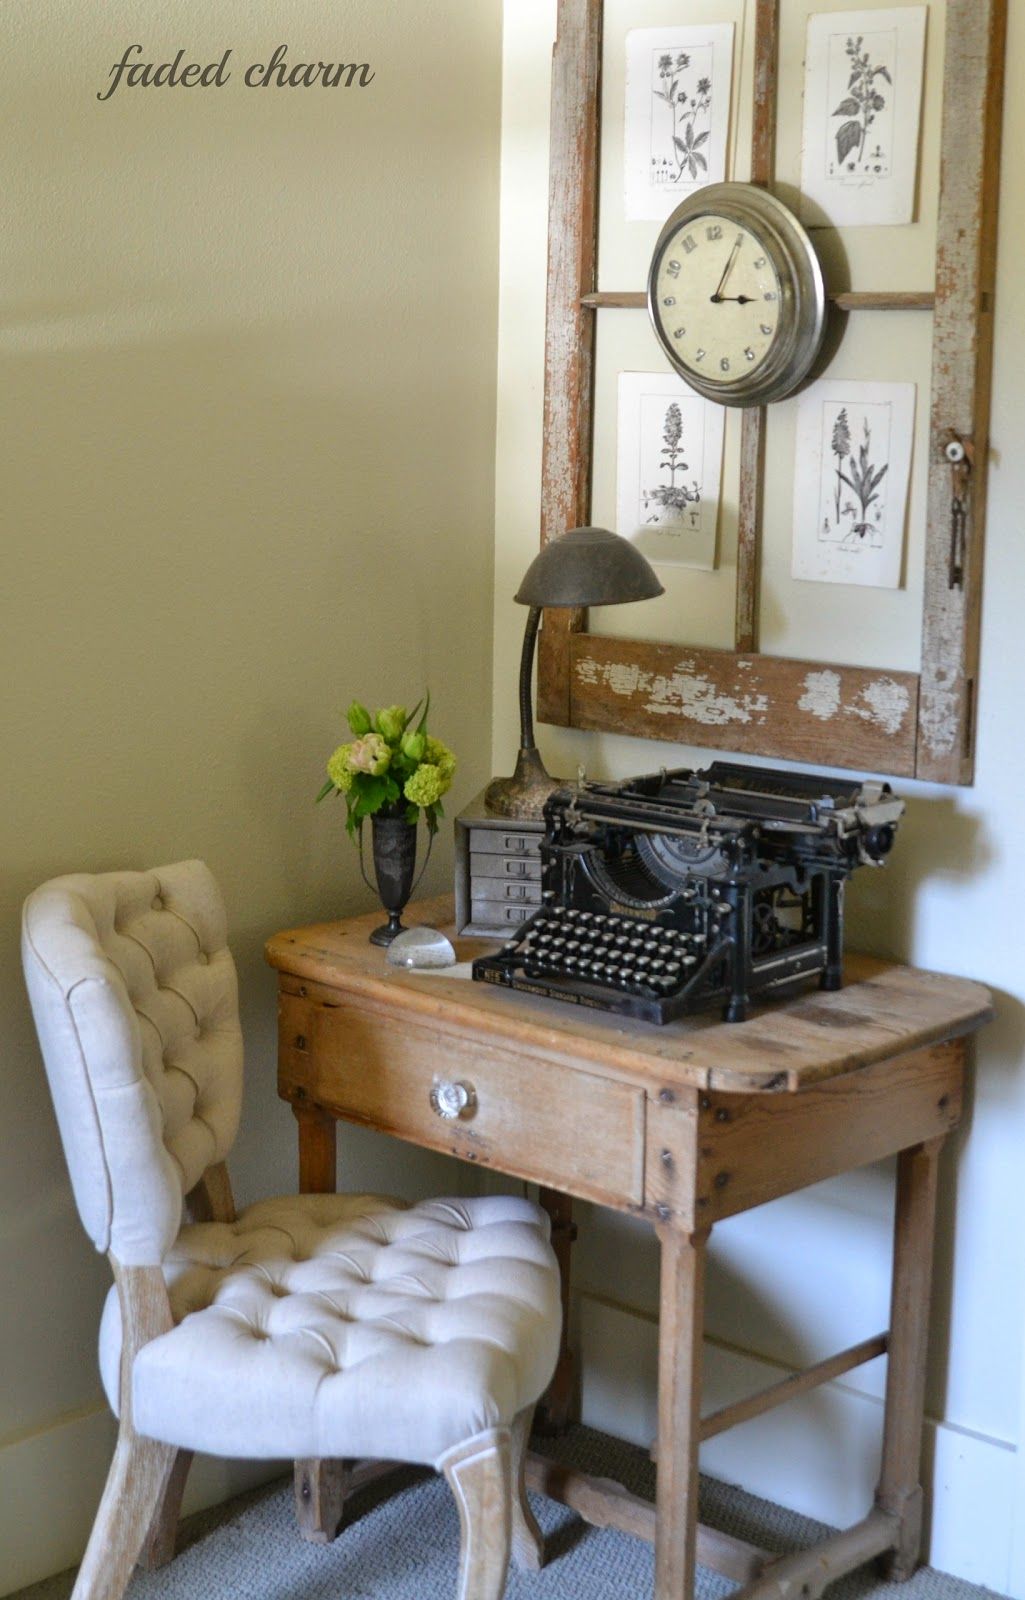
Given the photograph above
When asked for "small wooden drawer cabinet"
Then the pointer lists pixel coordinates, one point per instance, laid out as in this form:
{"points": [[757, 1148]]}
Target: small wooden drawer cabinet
{"points": [[498, 871]]}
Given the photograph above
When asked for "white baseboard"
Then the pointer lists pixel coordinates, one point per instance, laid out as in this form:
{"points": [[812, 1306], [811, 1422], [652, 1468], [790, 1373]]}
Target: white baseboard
{"points": [[50, 1485], [819, 1455]]}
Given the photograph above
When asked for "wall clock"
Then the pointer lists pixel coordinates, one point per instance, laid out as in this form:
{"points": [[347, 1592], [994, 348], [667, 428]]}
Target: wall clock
{"points": [[736, 295]]}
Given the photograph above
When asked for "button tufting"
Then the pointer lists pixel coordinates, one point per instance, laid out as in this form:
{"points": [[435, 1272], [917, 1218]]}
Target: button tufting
{"points": [[203, 959], [157, 903]]}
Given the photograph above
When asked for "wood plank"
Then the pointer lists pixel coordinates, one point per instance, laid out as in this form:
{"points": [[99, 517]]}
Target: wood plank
{"points": [[885, 300], [570, 332], [764, 705], [809, 1572], [681, 1332], [755, 420], [766, 92], [798, 1383], [844, 300], [885, 1010], [961, 381], [604, 1503], [752, 1149], [753, 430], [914, 1231]]}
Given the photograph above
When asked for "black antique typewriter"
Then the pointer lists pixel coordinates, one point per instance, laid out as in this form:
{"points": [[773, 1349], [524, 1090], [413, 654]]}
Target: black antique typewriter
{"points": [[683, 890]]}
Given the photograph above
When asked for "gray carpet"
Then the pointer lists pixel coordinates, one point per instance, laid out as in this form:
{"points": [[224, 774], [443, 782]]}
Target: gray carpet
{"points": [[404, 1547]]}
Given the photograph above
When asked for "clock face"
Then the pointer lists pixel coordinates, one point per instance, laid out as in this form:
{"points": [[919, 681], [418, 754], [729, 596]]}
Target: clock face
{"points": [[736, 295], [717, 293]]}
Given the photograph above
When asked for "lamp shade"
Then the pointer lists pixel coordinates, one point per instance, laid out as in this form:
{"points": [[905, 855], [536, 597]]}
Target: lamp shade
{"points": [[588, 567]]}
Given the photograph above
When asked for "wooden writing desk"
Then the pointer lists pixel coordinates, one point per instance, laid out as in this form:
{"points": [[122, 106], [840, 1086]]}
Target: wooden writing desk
{"points": [[683, 1125]]}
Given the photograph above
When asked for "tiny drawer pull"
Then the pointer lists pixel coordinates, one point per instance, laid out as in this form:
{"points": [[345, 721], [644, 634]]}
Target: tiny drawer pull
{"points": [[453, 1101]]}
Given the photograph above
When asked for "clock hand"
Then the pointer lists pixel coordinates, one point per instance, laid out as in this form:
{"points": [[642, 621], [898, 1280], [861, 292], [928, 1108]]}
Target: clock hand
{"points": [[734, 299], [718, 295]]}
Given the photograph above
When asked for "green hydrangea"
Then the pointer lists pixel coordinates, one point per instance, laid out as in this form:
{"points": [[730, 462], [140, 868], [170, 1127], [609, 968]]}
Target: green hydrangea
{"points": [[440, 756], [426, 786], [339, 770]]}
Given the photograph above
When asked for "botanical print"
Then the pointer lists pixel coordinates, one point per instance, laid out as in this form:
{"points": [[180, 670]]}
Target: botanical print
{"points": [[670, 467], [863, 92], [677, 115], [863, 101], [851, 484], [678, 134]]}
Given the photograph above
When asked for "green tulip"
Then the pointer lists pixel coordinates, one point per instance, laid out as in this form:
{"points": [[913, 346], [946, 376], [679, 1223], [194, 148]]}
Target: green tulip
{"points": [[391, 723], [359, 719], [413, 746]]}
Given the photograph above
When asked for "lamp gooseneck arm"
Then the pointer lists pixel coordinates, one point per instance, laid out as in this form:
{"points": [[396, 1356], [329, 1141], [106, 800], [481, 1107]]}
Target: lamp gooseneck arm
{"points": [[526, 674]]}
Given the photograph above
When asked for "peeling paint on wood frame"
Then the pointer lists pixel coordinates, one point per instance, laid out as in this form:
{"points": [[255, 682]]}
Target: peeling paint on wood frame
{"points": [[962, 379], [765, 705], [570, 326]]}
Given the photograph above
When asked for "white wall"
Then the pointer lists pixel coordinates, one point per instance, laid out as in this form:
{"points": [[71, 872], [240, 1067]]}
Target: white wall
{"points": [[804, 1277], [247, 361]]}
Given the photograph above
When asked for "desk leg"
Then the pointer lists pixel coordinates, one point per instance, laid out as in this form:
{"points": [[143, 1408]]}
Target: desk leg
{"points": [[555, 1408], [321, 1487], [680, 1335], [317, 1150], [900, 1492]]}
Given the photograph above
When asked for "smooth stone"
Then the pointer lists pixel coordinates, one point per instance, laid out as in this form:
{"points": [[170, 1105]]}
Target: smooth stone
{"points": [[421, 947]]}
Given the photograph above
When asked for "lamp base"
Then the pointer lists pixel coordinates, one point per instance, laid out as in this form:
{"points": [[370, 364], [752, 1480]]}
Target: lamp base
{"points": [[525, 793]]}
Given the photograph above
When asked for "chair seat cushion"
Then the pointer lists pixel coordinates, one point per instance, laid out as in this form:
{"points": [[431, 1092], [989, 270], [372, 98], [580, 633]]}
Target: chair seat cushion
{"points": [[347, 1325]]}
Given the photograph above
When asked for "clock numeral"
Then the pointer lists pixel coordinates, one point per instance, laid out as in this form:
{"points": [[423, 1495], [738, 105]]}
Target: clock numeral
{"points": [[670, 300], [766, 329], [673, 269], [714, 232], [749, 353], [725, 364], [771, 295], [679, 333], [690, 244], [700, 355], [761, 262]]}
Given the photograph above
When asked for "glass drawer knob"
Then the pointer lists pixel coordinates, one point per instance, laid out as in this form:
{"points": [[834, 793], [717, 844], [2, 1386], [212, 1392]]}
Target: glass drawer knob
{"points": [[453, 1100]]}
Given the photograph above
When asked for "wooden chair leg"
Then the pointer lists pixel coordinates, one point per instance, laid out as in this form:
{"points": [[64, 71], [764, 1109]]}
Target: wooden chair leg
{"points": [[135, 1488], [480, 1478], [159, 1543], [900, 1492], [321, 1488], [528, 1549]]}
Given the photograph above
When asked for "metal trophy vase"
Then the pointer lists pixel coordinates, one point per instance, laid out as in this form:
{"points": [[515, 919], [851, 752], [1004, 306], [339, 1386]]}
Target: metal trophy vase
{"points": [[394, 850]]}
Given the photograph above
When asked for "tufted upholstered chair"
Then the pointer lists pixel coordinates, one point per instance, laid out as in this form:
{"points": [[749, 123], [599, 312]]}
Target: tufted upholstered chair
{"points": [[314, 1327]]}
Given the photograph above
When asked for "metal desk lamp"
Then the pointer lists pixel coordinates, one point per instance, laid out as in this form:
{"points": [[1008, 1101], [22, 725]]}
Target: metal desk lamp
{"points": [[585, 567]]}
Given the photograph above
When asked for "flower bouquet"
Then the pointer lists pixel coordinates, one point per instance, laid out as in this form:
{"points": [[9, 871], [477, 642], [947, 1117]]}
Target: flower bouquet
{"points": [[390, 772], [390, 765]]}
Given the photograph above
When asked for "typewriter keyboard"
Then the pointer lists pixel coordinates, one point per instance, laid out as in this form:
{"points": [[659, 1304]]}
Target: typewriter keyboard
{"points": [[600, 959]]}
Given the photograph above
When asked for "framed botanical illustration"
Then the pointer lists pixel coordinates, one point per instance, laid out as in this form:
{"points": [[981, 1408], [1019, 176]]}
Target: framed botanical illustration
{"points": [[669, 469], [677, 114], [862, 114], [852, 468]]}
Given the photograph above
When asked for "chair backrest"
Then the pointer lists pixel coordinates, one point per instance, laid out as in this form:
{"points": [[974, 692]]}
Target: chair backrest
{"points": [[135, 1000]]}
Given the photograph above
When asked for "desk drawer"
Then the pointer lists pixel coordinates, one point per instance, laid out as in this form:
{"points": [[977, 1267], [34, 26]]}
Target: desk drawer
{"points": [[533, 1119]]}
